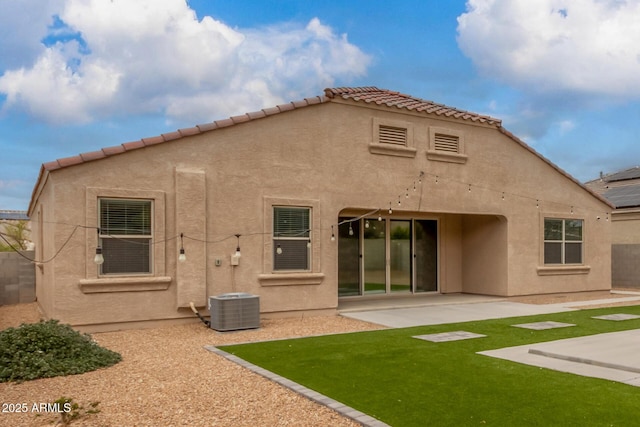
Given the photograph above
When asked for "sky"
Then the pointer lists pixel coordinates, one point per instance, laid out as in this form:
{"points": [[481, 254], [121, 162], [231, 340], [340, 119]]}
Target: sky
{"points": [[79, 75]]}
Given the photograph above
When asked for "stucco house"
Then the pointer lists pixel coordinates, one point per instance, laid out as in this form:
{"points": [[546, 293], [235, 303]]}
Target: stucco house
{"points": [[359, 193], [622, 190]]}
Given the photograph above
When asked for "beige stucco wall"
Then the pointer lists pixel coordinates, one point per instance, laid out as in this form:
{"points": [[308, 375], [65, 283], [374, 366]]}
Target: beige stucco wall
{"points": [[214, 185]]}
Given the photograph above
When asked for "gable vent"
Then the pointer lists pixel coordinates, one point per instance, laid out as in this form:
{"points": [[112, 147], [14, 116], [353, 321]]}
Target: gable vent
{"points": [[392, 135], [446, 143]]}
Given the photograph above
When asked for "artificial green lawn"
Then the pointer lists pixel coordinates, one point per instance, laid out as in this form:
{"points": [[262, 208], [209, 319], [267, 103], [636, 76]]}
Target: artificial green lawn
{"points": [[404, 381]]}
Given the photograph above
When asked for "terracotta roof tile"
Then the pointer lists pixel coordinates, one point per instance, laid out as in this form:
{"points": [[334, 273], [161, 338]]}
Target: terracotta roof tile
{"points": [[286, 107], [206, 127], [152, 140], [70, 161], [315, 100], [271, 111], [240, 119], [257, 114], [93, 155], [189, 131], [399, 100], [112, 151], [133, 145], [171, 136], [51, 166], [224, 123]]}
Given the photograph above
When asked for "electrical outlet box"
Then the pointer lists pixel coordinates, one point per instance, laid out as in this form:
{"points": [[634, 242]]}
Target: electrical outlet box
{"points": [[235, 259]]}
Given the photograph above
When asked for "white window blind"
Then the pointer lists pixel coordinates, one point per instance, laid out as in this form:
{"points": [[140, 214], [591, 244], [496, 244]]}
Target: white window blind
{"points": [[291, 231], [125, 235]]}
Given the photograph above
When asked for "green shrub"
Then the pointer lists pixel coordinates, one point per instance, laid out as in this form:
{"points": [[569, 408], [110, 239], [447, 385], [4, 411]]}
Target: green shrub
{"points": [[49, 349]]}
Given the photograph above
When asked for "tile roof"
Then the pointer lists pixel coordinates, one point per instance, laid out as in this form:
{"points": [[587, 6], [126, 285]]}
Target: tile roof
{"points": [[407, 102]]}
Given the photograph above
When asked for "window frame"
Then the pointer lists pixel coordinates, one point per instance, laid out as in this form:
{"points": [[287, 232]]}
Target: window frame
{"points": [[93, 282], [102, 237], [314, 276], [563, 241], [301, 236]]}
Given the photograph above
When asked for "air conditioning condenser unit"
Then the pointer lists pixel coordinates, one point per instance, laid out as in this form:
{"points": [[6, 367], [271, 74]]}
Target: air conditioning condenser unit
{"points": [[234, 311]]}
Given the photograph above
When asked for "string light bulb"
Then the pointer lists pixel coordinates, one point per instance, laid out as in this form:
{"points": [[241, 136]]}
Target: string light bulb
{"points": [[99, 258], [182, 257], [279, 250], [238, 254]]}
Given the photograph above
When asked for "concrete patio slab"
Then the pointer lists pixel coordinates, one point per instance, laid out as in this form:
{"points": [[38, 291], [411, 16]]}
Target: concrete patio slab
{"points": [[617, 317], [612, 356], [451, 313], [541, 326], [449, 336]]}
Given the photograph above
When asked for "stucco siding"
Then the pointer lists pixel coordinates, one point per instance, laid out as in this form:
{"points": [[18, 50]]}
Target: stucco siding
{"points": [[217, 184]]}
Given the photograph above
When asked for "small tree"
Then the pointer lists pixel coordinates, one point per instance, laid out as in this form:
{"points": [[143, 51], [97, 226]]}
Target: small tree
{"points": [[16, 233]]}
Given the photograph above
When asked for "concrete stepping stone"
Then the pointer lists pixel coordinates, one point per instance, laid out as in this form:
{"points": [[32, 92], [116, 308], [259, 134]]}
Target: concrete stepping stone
{"points": [[617, 317], [449, 336], [539, 326]]}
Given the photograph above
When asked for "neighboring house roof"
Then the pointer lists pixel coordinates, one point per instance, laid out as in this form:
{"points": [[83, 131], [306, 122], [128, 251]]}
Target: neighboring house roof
{"points": [[621, 188], [8, 215], [627, 196], [624, 175], [368, 94]]}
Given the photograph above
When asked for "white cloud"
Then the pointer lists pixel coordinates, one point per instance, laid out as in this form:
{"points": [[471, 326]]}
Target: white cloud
{"points": [[577, 46], [145, 56], [23, 23]]}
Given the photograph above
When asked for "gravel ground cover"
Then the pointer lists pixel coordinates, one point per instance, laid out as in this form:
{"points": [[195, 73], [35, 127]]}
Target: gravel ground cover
{"points": [[167, 378]]}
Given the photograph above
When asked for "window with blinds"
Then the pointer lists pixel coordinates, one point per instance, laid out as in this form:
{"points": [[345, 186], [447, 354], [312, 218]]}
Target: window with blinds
{"points": [[125, 236], [291, 238]]}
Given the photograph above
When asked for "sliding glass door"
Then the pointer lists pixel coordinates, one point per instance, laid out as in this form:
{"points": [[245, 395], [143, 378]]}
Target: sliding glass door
{"points": [[426, 255], [400, 256], [349, 258], [388, 256], [373, 256]]}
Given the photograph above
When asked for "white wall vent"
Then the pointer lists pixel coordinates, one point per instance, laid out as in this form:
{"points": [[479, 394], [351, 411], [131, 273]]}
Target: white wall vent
{"points": [[234, 311]]}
